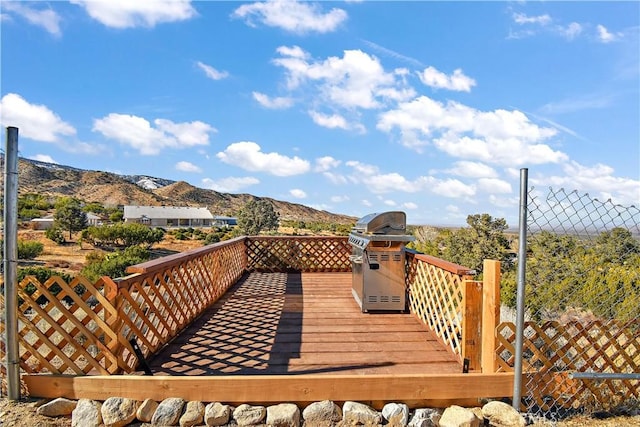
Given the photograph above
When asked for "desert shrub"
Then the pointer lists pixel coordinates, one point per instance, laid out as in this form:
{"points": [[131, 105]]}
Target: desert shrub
{"points": [[55, 234], [123, 234], [29, 249], [113, 264], [211, 238]]}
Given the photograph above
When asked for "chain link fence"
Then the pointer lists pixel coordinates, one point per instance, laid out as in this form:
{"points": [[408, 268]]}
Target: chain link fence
{"points": [[581, 338]]}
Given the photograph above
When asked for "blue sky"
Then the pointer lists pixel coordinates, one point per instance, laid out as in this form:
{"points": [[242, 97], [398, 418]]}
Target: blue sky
{"points": [[351, 107]]}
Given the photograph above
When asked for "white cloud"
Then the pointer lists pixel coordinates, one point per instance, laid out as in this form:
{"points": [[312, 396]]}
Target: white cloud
{"points": [[211, 72], [326, 163], [571, 31], [472, 170], [605, 36], [439, 80], [138, 133], [332, 122], [494, 185], [298, 193], [248, 155], [291, 15], [43, 158], [336, 178], [379, 183], [589, 101], [276, 103], [130, 14], [188, 167], [522, 19], [229, 185], [597, 180], [357, 80], [390, 202], [340, 199], [410, 205], [366, 203], [34, 121], [45, 18], [498, 136]]}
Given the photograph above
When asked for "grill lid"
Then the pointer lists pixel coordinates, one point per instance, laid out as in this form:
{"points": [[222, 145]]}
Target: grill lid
{"points": [[392, 222]]}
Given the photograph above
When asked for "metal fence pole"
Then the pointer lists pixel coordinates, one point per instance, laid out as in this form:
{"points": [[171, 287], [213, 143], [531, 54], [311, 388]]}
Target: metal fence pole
{"points": [[10, 261], [522, 264]]}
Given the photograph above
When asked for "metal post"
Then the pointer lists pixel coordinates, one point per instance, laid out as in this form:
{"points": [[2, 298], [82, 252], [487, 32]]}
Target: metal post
{"points": [[10, 262], [522, 264]]}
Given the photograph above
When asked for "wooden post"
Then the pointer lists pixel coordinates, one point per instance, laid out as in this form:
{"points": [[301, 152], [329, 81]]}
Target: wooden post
{"points": [[490, 314], [112, 294], [472, 323]]}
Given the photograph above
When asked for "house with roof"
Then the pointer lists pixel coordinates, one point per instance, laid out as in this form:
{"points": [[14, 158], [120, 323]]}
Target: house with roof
{"points": [[168, 216], [46, 222], [225, 221]]}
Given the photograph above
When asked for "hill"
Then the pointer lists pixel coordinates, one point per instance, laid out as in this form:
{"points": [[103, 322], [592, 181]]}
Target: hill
{"points": [[110, 189]]}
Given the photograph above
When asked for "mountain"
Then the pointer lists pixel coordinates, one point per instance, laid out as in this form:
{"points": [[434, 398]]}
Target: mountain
{"points": [[111, 189]]}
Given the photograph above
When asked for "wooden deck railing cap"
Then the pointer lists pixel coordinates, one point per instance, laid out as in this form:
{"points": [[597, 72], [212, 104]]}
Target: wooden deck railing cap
{"points": [[445, 265], [154, 264]]}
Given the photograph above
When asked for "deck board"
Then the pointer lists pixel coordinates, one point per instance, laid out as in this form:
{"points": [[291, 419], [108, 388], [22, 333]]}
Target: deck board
{"points": [[296, 323]]}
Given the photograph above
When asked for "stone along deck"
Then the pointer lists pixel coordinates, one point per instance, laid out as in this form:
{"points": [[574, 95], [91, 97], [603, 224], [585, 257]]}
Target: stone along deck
{"points": [[301, 323]]}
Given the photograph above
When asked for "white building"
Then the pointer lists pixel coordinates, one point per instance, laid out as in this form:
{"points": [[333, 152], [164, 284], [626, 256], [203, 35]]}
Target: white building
{"points": [[168, 216]]}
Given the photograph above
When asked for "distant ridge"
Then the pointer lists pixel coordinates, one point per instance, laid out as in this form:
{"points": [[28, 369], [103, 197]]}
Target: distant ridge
{"points": [[111, 189]]}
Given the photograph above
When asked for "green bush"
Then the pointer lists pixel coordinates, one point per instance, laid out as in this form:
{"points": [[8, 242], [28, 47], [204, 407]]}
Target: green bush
{"points": [[113, 264], [123, 234], [55, 234], [29, 249]]}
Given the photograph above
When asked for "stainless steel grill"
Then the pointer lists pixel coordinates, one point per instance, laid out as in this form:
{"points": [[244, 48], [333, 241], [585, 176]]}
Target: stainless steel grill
{"points": [[378, 261]]}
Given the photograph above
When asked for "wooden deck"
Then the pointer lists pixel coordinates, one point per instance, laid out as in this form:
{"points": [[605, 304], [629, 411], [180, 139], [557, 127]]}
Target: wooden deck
{"points": [[301, 323]]}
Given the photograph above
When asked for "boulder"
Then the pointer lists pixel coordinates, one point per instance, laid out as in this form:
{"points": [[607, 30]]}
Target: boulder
{"points": [[426, 417], [247, 415], [193, 414], [283, 415], [457, 416], [396, 414], [118, 411], [57, 407], [146, 410], [501, 414], [88, 413], [355, 413], [217, 414], [322, 414], [168, 412]]}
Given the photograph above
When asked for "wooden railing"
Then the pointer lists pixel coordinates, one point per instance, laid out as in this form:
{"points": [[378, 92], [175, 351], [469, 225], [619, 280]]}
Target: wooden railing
{"points": [[96, 329], [462, 312]]}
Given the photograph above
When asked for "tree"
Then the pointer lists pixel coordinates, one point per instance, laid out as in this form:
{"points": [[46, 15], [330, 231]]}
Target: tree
{"points": [[69, 215], [257, 215]]}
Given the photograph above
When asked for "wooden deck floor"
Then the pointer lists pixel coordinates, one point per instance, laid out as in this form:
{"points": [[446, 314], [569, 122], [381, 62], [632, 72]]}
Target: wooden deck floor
{"points": [[301, 323]]}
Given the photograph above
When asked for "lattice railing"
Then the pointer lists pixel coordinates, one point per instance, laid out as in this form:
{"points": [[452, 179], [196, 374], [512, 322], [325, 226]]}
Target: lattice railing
{"points": [[164, 296], [312, 254], [81, 328], [553, 351], [436, 294]]}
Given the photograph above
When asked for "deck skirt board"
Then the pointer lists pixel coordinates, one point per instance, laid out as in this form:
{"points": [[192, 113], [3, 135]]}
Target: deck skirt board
{"points": [[301, 323]]}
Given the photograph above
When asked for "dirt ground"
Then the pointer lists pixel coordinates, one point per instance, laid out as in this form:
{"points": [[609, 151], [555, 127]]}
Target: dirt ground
{"points": [[23, 414]]}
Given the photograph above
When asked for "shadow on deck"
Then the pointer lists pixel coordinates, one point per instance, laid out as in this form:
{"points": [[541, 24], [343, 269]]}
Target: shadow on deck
{"points": [[301, 323]]}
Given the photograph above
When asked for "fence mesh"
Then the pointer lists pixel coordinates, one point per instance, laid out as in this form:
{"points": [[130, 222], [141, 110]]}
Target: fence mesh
{"points": [[582, 305]]}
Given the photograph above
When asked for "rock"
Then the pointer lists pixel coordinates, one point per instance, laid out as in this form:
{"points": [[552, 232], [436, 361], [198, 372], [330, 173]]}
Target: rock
{"points": [[322, 414], [168, 412], [426, 417], [354, 413], [247, 415], [146, 410], [396, 414], [57, 407], [457, 416], [193, 414], [501, 414], [217, 414], [118, 411], [283, 415], [87, 414]]}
